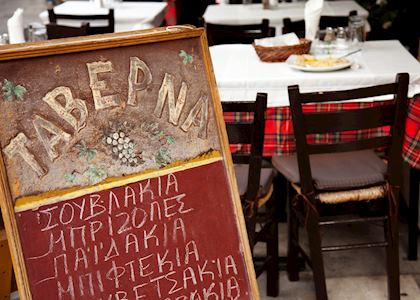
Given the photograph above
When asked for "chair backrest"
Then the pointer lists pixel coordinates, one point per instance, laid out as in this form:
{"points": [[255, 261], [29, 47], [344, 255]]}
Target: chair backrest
{"points": [[109, 28], [298, 26], [238, 34], [335, 21], [308, 123], [249, 133], [55, 31]]}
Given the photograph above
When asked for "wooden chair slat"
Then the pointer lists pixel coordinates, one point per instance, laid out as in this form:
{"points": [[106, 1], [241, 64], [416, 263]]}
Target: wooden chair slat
{"points": [[55, 31], [367, 92], [372, 143], [239, 133], [240, 158], [349, 120], [53, 17], [238, 34], [239, 106]]}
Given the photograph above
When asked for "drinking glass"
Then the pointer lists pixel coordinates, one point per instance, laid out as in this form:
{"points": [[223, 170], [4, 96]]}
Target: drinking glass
{"points": [[356, 30]]}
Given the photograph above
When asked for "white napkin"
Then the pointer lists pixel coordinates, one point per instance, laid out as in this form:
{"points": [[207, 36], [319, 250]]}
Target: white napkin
{"points": [[287, 39], [313, 10], [15, 27]]}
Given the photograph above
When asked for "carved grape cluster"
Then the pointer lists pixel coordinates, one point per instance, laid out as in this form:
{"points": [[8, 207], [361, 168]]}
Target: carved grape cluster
{"points": [[123, 148]]}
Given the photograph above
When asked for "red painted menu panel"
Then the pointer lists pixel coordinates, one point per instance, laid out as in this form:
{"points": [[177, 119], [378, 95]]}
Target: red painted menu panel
{"points": [[169, 237]]}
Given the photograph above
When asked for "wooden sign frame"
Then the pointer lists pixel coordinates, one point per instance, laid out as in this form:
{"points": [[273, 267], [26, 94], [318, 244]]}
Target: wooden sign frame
{"points": [[110, 41]]}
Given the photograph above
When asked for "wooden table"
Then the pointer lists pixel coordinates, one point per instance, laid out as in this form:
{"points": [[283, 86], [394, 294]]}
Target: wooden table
{"points": [[128, 15]]}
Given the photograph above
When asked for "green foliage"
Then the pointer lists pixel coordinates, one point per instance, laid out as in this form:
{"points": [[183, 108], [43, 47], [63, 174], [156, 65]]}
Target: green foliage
{"points": [[186, 58], [95, 174], [85, 151], [70, 177], [12, 91], [162, 157], [170, 139]]}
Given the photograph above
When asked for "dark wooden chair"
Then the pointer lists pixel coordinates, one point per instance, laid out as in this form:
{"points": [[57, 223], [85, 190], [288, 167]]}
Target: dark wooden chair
{"points": [[298, 26], [255, 187], [340, 183], [413, 213], [238, 34], [55, 31], [335, 21], [109, 18]]}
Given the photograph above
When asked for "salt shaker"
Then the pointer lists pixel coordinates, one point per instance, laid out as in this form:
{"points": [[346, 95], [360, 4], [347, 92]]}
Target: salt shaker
{"points": [[4, 39], [266, 4], [341, 37], [329, 35]]}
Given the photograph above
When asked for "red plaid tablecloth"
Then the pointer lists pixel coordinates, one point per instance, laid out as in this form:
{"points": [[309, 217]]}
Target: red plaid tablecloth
{"points": [[279, 138], [411, 146]]}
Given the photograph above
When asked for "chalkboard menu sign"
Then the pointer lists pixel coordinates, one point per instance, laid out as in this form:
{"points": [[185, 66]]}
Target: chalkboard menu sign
{"points": [[116, 178]]}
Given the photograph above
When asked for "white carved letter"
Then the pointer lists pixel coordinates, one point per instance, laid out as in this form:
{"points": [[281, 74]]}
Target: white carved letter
{"points": [[97, 85], [17, 147], [167, 91], [133, 86], [50, 135], [198, 116], [70, 105]]}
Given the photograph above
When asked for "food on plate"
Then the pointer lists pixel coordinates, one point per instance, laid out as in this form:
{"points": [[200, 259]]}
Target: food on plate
{"points": [[307, 60]]}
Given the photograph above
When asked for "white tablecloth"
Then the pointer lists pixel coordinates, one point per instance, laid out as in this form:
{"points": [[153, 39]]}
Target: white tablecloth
{"points": [[128, 15], [238, 14], [240, 74]]}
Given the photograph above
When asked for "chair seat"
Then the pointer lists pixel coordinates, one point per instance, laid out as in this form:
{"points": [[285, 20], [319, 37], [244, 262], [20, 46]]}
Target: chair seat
{"points": [[337, 171], [266, 179]]}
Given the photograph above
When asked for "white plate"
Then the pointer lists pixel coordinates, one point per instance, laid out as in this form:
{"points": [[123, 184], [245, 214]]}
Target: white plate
{"points": [[291, 61]]}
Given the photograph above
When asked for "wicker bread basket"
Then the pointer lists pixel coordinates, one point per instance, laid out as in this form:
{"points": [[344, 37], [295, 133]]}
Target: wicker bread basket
{"points": [[281, 53]]}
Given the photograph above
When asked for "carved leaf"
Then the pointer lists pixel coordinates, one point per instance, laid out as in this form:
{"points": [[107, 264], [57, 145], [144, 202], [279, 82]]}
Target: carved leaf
{"points": [[95, 174], [70, 177], [19, 92], [170, 140], [7, 89], [162, 157], [12, 91], [186, 58], [85, 151]]}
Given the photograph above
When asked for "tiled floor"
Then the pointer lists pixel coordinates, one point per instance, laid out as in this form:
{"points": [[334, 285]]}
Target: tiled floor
{"points": [[351, 275]]}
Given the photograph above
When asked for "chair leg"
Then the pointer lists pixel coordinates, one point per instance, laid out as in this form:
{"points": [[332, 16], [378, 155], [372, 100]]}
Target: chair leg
{"points": [[292, 244], [314, 238], [392, 253], [280, 188], [413, 217], [250, 228], [273, 250]]}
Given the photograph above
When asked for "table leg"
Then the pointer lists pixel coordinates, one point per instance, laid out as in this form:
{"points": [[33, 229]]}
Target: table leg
{"points": [[413, 213], [5, 267]]}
